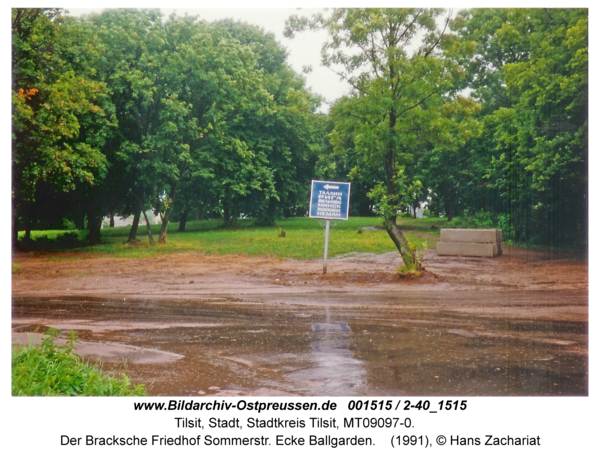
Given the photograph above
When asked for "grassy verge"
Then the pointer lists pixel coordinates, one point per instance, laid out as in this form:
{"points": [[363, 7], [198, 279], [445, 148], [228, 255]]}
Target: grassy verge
{"points": [[304, 238], [428, 223], [53, 370]]}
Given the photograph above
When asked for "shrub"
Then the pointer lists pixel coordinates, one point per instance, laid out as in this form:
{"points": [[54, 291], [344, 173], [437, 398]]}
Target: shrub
{"points": [[406, 273], [508, 232], [68, 224], [482, 219], [418, 247], [52, 240]]}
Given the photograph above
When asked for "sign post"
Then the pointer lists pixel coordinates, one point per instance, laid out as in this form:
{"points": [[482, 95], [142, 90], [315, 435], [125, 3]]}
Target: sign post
{"points": [[329, 201], [326, 246]]}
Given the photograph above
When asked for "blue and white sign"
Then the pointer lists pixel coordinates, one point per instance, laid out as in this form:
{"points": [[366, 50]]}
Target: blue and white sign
{"points": [[329, 200]]}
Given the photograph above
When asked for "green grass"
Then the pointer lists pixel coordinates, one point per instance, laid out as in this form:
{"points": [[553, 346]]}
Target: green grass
{"points": [[427, 223], [53, 370], [304, 239]]}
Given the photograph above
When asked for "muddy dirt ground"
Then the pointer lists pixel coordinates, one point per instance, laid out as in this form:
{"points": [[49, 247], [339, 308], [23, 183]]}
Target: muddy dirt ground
{"points": [[190, 324], [188, 275]]}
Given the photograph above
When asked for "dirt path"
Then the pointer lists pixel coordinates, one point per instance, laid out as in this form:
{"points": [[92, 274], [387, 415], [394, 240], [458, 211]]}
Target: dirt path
{"points": [[188, 275]]}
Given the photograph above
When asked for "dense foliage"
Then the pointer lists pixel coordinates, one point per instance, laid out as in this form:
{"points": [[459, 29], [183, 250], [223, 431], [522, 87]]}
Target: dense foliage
{"points": [[488, 120], [172, 115], [481, 114], [530, 73]]}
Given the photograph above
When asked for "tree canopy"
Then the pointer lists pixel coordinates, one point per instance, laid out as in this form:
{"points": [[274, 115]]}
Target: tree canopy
{"points": [[480, 112], [487, 119], [401, 98], [185, 112]]}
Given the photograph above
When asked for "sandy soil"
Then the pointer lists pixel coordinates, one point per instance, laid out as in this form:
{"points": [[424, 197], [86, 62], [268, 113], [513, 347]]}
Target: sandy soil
{"points": [[189, 275]]}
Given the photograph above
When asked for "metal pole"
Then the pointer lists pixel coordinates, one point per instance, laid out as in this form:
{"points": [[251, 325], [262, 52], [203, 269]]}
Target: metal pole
{"points": [[326, 246]]}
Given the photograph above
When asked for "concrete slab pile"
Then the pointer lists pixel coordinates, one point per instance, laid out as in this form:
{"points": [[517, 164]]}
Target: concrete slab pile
{"points": [[470, 242]]}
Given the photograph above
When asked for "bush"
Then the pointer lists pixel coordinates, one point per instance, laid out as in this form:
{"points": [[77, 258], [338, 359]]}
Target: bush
{"points": [[52, 370], [484, 219], [406, 273], [508, 232], [52, 240], [68, 224]]}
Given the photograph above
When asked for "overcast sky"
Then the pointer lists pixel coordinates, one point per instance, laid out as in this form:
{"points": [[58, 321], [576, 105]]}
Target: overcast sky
{"points": [[304, 49]]}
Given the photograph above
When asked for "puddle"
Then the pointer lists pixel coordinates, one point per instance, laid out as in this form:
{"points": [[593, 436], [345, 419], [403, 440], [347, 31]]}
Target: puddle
{"points": [[327, 326], [332, 344]]}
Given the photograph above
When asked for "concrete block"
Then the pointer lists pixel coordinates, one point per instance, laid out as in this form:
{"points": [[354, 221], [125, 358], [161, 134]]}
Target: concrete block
{"points": [[471, 235], [468, 249]]}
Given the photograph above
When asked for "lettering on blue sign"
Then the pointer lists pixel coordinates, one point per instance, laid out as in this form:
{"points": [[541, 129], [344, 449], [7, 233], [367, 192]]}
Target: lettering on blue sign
{"points": [[329, 200]]}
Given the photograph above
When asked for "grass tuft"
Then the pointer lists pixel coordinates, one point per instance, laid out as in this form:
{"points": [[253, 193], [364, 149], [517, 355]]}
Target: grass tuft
{"points": [[406, 273], [53, 370]]}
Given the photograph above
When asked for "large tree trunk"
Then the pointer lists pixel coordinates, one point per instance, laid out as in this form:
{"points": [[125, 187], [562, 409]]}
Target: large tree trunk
{"points": [[94, 225], [27, 217], [450, 207], [112, 220], [27, 220], [183, 221], [134, 226], [234, 212]]}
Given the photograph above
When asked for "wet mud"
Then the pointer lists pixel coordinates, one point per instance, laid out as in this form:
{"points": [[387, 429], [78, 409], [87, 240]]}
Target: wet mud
{"points": [[510, 327]]}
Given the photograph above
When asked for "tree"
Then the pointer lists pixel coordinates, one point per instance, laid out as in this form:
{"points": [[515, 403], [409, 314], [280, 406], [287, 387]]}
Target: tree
{"points": [[397, 95], [58, 120], [133, 42], [230, 100], [529, 71], [290, 135]]}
